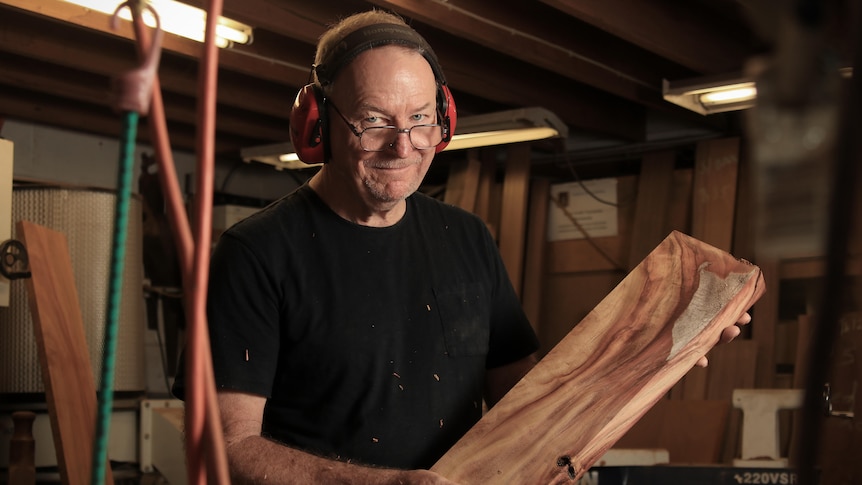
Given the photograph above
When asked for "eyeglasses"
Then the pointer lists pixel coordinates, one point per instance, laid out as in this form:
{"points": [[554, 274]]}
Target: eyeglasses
{"points": [[379, 138]]}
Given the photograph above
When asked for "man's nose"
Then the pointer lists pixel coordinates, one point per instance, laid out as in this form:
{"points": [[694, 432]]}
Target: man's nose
{"points": [[402, 144]]}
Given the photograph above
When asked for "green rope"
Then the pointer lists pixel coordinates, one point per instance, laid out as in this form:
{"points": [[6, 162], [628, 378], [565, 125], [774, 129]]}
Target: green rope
{"points": [[121, 222]]}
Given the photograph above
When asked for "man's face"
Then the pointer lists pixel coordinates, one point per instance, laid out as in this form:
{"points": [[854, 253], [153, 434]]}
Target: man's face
{"points": [[388, 85]]}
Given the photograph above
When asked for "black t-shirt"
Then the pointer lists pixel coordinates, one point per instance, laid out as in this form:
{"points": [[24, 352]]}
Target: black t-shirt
{"points": [[371, 344]]}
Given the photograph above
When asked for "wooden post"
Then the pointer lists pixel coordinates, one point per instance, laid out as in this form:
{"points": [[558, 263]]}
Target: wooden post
{"points": [[22, 450], [610, 369], [714, 196], [69, 384], [651, 209], [534, 272], [463, 183], [513, 217]]}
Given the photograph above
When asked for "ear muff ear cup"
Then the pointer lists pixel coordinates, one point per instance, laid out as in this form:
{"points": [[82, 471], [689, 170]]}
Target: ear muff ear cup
{"points": [[308, 125], [448, 113]]}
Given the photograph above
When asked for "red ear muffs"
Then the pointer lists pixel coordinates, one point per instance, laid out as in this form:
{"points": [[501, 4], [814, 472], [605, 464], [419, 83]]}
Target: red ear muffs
{"points": [[448, 113], [308, 125]]}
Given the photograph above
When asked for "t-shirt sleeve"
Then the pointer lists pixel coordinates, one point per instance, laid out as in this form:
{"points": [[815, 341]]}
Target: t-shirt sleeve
{"points": [[243, 316], [512, 337]]}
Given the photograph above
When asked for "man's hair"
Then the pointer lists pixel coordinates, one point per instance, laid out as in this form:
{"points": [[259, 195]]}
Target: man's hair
{"points": [[340, 30]]}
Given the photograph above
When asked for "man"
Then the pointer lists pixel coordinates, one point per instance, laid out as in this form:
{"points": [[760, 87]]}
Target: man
{"points": [[357, 325]]}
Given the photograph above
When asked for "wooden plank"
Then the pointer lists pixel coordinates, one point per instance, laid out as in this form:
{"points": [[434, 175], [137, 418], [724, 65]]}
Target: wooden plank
{"points": [[651, 207], [731, 366], [764, 321], [714, 195], [59, 328], [803, 349], [463, 183], [485, 191], [534, 271], [679, 212], [516, 187], [610, 369]]}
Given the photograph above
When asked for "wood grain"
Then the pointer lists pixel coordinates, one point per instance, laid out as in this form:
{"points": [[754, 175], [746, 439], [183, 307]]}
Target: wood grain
{"points": [[59, 329], [610, 369]]}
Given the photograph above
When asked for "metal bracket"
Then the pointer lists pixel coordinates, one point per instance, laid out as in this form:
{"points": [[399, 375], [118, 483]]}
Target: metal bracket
{"points": [[827, 405]]}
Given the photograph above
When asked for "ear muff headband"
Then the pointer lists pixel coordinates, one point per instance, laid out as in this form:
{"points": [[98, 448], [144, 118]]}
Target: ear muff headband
{"points": [[308, 118]]}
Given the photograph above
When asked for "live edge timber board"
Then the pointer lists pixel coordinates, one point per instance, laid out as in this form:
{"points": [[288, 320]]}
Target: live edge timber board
{"points": [[610, 369]]}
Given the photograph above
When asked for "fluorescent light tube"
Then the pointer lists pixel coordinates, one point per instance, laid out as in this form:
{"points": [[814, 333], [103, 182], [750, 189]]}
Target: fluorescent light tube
{"points": [[179, 19]]}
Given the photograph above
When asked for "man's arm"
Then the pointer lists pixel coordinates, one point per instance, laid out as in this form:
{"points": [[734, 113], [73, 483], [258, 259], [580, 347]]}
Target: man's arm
{"points": [[255, 459]]}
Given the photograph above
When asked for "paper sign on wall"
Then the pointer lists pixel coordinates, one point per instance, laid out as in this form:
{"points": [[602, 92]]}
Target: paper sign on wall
{"points": [[591, 203]]}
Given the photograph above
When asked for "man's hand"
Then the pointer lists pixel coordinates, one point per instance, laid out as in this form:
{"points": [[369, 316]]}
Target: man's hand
{"points": [[727, 335]]}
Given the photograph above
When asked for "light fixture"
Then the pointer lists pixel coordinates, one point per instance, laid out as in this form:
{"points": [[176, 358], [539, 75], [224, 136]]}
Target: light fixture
{"points": [[504, 127], [499, 128], [179, 19], [717, 94], [279, 155], [710, 95]]}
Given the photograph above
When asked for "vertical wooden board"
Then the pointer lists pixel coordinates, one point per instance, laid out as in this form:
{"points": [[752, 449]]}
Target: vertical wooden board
{"points": [[714, 193], [485, 189], [534, 271], [462, 185], [513, 220], [692, 432], [679, 212], [610, 369], [731, 366], [744, 234], [693, 385], [651, 207], [62, 348], [764, 320], [804, 339], [800, 373]]}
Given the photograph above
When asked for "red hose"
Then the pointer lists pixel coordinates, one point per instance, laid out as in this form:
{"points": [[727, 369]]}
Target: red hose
{"points": [[205, 448]]}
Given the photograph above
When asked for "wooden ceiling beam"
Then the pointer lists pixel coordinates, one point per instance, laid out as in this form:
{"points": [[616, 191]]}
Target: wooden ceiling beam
{"points": [[676, 30], [468, 68], [578, 52], [89, 52], [243, 59], [513, 83], [94, 89]]}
